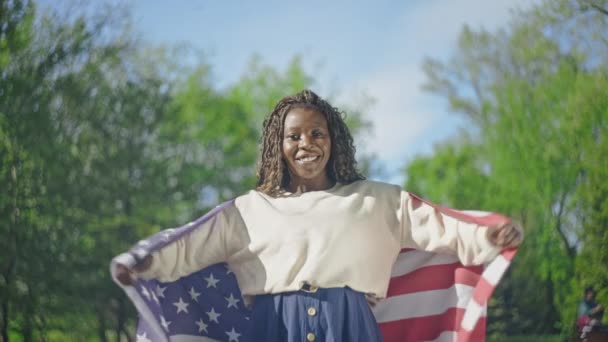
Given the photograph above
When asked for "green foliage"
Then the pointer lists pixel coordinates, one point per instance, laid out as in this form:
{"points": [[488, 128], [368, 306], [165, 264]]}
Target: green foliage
{"points": [[104, 141], [535, 95]]}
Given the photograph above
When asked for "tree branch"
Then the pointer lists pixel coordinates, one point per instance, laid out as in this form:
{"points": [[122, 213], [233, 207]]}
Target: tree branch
{"points": [[558, 225], [596, 7]]}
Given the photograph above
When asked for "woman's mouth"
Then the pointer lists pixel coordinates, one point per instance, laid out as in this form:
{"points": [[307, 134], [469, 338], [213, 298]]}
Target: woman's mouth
{"points": [[307, 159]]}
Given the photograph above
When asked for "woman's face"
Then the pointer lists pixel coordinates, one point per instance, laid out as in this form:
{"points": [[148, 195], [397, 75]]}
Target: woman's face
{"points": [[306, 149]]}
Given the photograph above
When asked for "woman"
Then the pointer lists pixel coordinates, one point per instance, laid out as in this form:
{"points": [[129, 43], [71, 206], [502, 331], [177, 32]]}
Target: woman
{"points": [[314, 243]]}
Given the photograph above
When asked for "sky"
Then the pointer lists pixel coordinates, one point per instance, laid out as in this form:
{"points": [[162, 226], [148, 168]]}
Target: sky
{"points": [[354, 47]]}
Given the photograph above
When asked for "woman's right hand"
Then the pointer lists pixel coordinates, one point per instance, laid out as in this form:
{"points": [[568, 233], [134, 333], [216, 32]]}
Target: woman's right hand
{"points": [[124, 275], [127, 276]]}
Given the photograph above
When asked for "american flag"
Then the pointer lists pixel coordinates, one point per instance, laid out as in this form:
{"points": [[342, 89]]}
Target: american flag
{"points": [[431, 297]]}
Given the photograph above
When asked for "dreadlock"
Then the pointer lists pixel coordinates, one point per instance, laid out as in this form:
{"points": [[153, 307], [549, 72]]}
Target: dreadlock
{"points": [[273, 176]]}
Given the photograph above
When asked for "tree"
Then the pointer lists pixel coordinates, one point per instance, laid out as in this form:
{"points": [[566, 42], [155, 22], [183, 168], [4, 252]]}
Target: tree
{"points": [[37, 55], [531, 94]]}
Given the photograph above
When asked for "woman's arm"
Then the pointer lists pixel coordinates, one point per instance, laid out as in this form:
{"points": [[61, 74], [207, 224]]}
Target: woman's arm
{"points": [[475, 240], [210, 242]]}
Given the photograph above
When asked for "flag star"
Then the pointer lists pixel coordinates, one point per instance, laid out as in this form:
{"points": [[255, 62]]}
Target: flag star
{"points": [[233, 335], [143, 338], [213, 316], [144, 291], [143, 243], [211, 282], [164, 323], [232, 301], [228, 270], [201, 326], [193, 294], [154, 298], [160, 291], [181, 306]]}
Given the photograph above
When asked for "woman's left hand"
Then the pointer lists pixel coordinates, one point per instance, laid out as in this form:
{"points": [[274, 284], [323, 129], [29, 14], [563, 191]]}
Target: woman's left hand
{"points": [[507, 235]]}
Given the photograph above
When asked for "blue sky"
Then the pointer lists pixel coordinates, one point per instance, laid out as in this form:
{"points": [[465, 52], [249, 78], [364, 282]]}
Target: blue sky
{"points": [[375, 47]]}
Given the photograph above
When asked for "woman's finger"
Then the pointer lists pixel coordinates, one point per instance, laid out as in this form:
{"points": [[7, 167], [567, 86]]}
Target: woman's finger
{"points": [[513, 238], [124, 275], [508, 235]]}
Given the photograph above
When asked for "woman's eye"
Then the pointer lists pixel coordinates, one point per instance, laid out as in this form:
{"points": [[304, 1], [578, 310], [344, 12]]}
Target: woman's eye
{"points": [[293, 137], [317, 134]]}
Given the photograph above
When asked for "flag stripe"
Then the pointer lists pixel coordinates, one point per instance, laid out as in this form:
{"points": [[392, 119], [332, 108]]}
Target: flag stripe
{"points": [[473, 313], [434, 278], [191, 338], [410, 260], [425, 328], [446, 336], [494, 273], [423, 303], [478, 217]]}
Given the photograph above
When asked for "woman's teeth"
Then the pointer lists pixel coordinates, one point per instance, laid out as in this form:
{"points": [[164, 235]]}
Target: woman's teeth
{"points": [[307, 159]]}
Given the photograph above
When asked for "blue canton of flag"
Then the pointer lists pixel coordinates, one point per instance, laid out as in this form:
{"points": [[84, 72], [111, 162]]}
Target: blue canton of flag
{"points": [[204, 306]]}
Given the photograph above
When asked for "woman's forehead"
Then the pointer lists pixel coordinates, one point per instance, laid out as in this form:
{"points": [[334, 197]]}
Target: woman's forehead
{"points": [[304, 117]]}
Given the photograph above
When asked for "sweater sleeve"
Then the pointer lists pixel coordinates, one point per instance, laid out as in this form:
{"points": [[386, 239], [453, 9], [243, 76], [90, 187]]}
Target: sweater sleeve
{"points": [[429, 227], [211, 242]]}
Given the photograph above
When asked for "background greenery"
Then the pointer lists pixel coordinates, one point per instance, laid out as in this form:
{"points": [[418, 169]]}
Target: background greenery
{"points": [[105, 139]]}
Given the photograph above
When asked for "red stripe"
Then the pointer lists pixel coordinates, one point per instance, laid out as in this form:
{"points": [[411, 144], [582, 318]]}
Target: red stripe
{"points": [[426, 328], [478, 334], [492, 219], [509, 254], [434, 277], [483, 291]]}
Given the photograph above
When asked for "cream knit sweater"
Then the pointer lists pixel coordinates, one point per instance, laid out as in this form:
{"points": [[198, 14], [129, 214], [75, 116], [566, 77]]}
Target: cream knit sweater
{"points": [[349, 235]]}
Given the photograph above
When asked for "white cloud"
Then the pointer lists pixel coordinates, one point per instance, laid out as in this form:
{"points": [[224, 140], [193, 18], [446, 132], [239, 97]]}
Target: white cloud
{"points": [[405, 121], [397, 117]]}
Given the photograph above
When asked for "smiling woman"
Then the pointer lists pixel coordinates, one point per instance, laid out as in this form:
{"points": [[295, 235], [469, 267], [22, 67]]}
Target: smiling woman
{"points": [[305, 144], [313, 244]]}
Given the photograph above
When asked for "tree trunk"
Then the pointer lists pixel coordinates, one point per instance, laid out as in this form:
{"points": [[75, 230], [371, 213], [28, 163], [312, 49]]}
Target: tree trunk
{"points": [[552, 311], [101, 327], [5, 321], [13, 260], [26, 332], [120, 318]]}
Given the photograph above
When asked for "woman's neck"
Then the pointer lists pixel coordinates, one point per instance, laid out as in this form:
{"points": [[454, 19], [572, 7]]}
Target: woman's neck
{"points": [[305, 185]]}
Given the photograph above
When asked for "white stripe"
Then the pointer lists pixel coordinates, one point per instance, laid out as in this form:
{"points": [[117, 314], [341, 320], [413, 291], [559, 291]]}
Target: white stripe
{"points": [[446, 336], [145, 313], [496, 269], [412, 260], [423, 303], [126, 259], [475, 213], [191, 338], [472, 314]]}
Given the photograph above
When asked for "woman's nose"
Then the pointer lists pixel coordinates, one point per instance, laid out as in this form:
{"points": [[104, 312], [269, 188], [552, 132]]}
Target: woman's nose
{"points": [[305, 140]]}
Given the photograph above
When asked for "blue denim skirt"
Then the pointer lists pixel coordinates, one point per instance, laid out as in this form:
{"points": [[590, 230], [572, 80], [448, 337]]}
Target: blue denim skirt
{"points": [[324, 314]]}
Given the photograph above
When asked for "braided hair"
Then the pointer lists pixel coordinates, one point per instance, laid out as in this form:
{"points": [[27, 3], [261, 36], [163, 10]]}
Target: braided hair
{"points": [[272, 174]]}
